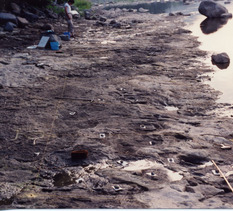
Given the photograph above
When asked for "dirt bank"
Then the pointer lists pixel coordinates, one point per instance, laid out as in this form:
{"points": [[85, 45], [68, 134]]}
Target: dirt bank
{"points": [[133, 98]]}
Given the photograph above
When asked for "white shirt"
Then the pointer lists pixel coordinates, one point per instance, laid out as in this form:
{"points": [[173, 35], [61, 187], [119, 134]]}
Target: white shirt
{"points": [[67, 8]]}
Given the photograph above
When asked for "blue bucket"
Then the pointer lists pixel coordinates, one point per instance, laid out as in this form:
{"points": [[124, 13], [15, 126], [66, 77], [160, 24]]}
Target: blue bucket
{"points": [[67, 33], [54, 46]]}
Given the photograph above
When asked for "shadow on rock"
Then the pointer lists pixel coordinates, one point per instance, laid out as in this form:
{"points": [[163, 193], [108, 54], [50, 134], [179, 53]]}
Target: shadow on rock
{"points": [[211, 25], [221, 66]]}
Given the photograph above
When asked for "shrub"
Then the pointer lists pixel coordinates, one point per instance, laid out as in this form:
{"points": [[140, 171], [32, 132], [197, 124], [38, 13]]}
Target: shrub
{"points": [[56, 9], [82, 4]]}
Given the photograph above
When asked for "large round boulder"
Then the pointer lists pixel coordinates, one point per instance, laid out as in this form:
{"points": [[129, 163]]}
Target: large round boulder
{"points": [[212, 9], [7, 17], [220, 58]]}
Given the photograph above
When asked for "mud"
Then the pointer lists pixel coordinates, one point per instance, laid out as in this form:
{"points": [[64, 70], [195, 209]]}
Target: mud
{"points": [[133, 97]]}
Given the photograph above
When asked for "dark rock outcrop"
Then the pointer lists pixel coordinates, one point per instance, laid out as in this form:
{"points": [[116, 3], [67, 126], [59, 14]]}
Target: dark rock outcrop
{"points": [[22, 22], [30, 16], [9, 27], [220, 58], [7, 17], [212, 9], [15, 8]]}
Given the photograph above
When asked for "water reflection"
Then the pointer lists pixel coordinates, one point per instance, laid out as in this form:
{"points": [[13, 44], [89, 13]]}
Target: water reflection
{"points": [[221, 66], [159, 6], [211, 25], [215, 36], [153, 8]]}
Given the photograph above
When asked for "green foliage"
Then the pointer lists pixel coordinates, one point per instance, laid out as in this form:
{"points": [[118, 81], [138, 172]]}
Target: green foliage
{"points": [[82, 4], [56, 9]]}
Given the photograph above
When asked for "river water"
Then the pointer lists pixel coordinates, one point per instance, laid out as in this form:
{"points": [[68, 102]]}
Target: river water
{"points": [[216, 36]]}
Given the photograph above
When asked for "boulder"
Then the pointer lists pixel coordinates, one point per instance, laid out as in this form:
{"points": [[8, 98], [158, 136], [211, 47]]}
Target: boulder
{"points": [[142, 10], [212, 9], [37, 12], [87, 15], [7, 17], [9, 27], [22, 22], [103, 19], [15, 8], [51, 14], [99, 23], [30, 16], [47, 27], [115, 24], [220, 58]]}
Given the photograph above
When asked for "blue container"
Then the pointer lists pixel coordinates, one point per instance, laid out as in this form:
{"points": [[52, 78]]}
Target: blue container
{"points": [[67, 33], [54, 46]]}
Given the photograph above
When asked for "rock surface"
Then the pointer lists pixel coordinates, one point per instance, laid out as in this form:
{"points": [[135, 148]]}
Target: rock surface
{"points": [[212, 9], [7, 17], [132, 97], [220, 58]]}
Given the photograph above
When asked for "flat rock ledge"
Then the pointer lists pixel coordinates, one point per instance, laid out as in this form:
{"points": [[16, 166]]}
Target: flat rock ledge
{"points": [[128, 103]]}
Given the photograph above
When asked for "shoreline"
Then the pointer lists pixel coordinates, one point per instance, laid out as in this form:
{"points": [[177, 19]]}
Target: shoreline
{"points": [[107, 92]]}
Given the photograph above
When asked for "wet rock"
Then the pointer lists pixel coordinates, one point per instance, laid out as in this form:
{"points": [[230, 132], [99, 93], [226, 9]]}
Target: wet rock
{"points": [[197, 158], [9, 27], [212, 9], [7, 17], [207, 190], [22, 22], [221, 58], [63, 179], [189, 189]]}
